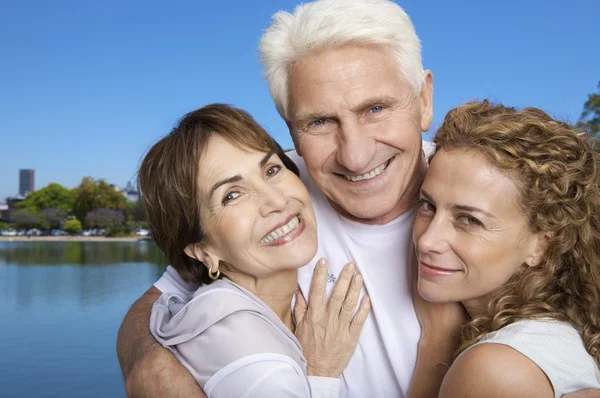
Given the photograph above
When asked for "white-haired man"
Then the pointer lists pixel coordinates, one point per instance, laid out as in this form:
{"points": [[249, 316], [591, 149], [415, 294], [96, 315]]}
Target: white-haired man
{"points": [[347, 78]]}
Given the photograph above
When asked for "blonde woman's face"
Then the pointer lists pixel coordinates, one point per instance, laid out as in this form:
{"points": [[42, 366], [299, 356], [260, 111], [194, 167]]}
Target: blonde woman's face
{"points": [[470, 234]]}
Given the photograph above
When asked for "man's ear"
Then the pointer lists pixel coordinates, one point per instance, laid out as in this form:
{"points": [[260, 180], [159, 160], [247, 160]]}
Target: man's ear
{"points": [[539, 250], [426, 101], [200, 252]]}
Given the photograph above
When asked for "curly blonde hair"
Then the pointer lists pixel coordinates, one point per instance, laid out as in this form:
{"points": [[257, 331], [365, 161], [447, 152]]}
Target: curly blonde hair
{"points": [[556, 171]]}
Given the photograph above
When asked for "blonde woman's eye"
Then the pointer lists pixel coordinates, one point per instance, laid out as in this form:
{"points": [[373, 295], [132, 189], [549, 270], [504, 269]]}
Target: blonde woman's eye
{"points": [[230, 196], [273, 170], [426, 206]]}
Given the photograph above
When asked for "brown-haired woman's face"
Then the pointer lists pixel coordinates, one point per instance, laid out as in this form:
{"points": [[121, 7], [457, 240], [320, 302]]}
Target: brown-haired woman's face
{"points": [[470, 233], [257, 214]]}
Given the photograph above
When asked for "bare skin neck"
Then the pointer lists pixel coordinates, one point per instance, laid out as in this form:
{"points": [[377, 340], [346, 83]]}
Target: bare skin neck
{"points": [[477, 306], [276, 291]]}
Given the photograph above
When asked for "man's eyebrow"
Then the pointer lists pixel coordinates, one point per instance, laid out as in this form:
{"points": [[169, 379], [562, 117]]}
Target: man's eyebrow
{"points": [[380, 100], [459, 207], [229, 180], [305, 117]]}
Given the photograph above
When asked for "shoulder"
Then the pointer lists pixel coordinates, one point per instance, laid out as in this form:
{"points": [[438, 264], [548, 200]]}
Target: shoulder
{"points": [[497, 369], [428, 149], [179, 319], [304, 175], [244, 333]]}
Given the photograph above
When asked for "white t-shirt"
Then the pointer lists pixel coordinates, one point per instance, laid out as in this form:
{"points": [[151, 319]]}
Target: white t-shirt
{"points": [[556, 348], [384, 360]]}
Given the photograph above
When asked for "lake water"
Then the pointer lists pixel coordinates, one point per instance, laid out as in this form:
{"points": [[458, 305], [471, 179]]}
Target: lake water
{"points": [[61, 304]]}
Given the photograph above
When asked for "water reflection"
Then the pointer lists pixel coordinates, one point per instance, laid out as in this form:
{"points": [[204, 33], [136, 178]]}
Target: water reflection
{"points": [[61, 304], [79, 253]]}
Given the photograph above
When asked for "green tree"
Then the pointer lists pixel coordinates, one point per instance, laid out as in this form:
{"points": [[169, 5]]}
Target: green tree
{"points": [[589, 120], [72, 226], [104, 218], [134, 211], [53, 196], [3, 226], [94, 194], [24, 219], [53, 217]]}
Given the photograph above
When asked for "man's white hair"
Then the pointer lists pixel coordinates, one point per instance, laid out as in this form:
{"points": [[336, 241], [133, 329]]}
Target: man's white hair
{"points": [[326, 24]]}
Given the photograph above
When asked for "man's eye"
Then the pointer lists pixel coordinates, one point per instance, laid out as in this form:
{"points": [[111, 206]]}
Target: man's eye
{"points": [[273, 170], [376, 109], [468, 220], [230, 196], [318, 122]]}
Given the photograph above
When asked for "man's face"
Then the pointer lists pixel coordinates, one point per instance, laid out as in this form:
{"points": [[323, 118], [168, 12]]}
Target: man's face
{"points": [[357, 124]]}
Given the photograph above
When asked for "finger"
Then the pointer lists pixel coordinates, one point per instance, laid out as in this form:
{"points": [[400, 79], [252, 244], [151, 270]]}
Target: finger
{"points": [[361, 316], [351, 300], [316, 297], [300, 307], [340, 290]]}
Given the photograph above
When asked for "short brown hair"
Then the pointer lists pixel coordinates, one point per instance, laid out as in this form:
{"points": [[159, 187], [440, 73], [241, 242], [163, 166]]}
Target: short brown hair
{"points": [[557, 173], [168, 178]]}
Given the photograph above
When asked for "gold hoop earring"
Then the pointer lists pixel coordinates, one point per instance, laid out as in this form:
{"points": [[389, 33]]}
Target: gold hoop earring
{"points": [[214, 276]]}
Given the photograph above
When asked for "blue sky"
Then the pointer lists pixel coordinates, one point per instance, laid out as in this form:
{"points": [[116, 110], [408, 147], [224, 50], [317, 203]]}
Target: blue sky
{"points": [[86, 87]]}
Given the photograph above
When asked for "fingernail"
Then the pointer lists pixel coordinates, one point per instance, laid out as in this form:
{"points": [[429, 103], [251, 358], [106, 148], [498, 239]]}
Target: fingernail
{"points": [[322, 263], [357, 280], [350, 267]]}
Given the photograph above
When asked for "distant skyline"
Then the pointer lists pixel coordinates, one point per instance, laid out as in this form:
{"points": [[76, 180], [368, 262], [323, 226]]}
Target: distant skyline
{"points": [[26, 181], [88, 87]]}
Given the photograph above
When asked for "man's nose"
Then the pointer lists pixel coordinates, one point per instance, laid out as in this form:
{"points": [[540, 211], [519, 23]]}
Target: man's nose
{"points": [[356, 147]]}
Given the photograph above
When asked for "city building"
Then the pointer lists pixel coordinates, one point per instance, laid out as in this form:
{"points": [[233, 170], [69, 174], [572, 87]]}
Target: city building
{"points": [[130, 193], [9, 207], [4, 212], [26, 181]]}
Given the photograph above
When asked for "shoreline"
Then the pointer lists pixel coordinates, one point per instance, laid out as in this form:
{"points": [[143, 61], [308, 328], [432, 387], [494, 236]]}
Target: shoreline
{"points": [[76, 238]]}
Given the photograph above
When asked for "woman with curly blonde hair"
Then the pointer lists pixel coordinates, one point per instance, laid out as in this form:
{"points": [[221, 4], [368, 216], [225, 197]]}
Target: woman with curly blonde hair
{"points": [[509, 225]]}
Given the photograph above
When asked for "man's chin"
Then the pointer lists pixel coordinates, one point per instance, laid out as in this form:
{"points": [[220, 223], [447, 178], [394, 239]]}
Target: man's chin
{"points": [[372, 212]]}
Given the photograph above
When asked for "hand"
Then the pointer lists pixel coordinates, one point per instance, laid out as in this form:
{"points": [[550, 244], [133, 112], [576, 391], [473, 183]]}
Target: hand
{"points": [[328, 332]]}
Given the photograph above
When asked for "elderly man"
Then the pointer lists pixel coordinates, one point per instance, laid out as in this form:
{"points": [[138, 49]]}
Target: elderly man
{"points": [[347, 78]]}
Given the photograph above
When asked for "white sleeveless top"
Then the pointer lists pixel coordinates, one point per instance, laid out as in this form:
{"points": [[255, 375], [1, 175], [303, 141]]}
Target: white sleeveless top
{"points": [[556, 348]]}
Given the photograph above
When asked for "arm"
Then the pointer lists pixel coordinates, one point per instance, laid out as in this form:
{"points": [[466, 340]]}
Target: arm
{"points": [[440, 336], [272, 376], [592, 393], [148, 368], [498, 370], [433, 361]]}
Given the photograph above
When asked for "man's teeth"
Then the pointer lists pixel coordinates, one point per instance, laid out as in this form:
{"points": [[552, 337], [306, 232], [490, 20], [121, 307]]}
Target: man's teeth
{"points": [[282, 231], [374, 173]]}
